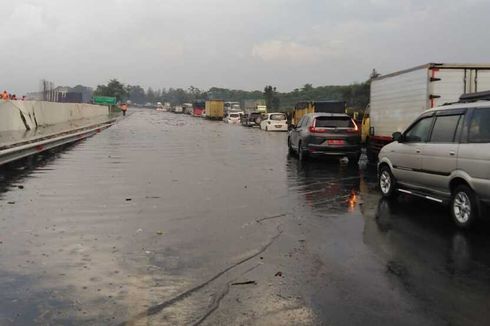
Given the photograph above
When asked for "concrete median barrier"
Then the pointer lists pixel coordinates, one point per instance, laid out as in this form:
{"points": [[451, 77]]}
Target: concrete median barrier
{"points": [[32, 127], [28, 115]]}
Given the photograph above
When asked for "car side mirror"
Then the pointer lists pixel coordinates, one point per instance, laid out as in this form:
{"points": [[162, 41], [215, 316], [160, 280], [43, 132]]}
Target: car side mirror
{"points": [[398, 136]]}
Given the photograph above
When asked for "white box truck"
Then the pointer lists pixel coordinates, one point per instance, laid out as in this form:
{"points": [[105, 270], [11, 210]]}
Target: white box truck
{"points": [[398, 98]]}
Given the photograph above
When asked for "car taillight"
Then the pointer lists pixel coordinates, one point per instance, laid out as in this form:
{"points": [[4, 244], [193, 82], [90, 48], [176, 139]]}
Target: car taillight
{"points": [[354, 130], [313, 129]]}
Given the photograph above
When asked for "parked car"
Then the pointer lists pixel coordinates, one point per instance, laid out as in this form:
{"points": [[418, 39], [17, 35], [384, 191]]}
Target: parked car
{"points": [[274, 122], [233, 117], [251, 119], [326, 134], [443, 156]]}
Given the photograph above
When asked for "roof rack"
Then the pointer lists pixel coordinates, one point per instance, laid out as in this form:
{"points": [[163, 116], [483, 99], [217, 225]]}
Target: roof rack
{"points": [[473, 97]]}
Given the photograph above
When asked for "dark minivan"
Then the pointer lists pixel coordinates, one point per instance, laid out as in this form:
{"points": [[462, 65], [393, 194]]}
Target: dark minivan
{"points": [[326, 134]]}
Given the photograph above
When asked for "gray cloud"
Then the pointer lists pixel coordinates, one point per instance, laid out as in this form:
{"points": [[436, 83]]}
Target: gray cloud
{"points": [[230, 43]]}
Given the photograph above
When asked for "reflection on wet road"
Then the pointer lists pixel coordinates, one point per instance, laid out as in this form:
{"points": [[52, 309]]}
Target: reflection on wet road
{"points": [[168, 219]]}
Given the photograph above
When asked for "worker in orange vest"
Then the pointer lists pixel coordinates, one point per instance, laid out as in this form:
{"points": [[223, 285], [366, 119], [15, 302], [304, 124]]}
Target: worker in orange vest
{"points": [[124, 108]]}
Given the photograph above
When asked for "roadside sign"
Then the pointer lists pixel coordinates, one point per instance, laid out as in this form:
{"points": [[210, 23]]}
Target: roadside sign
{"points": [[107, 100]]}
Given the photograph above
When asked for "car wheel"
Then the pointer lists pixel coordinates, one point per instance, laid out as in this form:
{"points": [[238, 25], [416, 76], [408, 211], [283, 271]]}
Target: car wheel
{"points": [[464, 206], [301, 153], [266, 128], [290, 148], [386, 182], [354, 159]]}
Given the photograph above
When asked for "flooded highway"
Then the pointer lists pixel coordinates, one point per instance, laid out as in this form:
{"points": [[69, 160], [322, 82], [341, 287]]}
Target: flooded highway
{"points": [[168, 219]]}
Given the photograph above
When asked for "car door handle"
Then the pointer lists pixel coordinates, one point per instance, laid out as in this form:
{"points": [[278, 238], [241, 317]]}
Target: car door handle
{"points": [[417, 151], [452, 153]]}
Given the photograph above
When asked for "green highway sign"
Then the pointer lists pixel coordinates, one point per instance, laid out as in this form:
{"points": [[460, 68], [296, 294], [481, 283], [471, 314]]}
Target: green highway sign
{"points": [[105, 100]]}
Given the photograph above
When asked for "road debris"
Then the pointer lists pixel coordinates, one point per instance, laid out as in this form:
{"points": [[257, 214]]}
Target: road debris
{"points": [[244, 283]]}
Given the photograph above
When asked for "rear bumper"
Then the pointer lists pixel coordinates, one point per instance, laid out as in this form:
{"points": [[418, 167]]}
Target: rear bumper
{"points": [[322, 150], [249, 123], [272, 127]]}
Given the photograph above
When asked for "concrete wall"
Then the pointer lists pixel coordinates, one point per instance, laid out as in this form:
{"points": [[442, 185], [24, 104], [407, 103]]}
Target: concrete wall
{"points": [[25, 115]]}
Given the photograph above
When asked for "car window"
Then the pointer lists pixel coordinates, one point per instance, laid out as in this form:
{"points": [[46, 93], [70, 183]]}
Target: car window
{"points": [[334, 122], [300, 122], [480, 126], [419, 132], [278, 117], [444, 130], [305, 122]]}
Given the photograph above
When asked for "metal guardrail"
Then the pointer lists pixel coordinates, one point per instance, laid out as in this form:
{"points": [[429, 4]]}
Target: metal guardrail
{"points": [[27, 148]]}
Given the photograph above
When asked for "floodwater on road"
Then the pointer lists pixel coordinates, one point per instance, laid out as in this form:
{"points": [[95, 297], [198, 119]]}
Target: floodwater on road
{"points": [[169, 219]]}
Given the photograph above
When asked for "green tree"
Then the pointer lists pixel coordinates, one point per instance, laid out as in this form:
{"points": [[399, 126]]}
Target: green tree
{"points": [[136, 94], [114, 89], [272, 101]]}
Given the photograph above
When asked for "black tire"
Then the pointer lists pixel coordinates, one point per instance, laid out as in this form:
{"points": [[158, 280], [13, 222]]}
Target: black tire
{"points": [[371, 156], [354, 159], [266, 128], [290, 148], [301, 153], [464, 206], [386, 182]]}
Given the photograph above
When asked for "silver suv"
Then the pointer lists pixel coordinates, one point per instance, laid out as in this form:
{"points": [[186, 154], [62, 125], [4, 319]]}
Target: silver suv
{"points": [[444, 156], [325, 134]]}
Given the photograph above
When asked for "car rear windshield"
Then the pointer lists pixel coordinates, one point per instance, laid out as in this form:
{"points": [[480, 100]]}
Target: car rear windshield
{"points": [[278, 117], [234, 115], [334, 122]]}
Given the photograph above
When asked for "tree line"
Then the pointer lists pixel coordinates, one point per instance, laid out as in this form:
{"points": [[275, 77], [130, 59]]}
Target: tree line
{"points": [[355, 95]]}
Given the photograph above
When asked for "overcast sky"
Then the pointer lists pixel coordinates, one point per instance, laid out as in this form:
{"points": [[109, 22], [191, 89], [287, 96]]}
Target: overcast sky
{"points": [[241, 44]]}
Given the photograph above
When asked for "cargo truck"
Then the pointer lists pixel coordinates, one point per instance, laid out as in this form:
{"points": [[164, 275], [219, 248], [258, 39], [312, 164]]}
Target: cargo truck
{"points": [[398, 98], [303, 108], [215, 109], [198, 108]]}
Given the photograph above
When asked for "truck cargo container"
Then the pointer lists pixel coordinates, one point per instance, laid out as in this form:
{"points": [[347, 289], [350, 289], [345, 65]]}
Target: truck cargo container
{"points": [[306, 107], [398, 98], [215, 109]]}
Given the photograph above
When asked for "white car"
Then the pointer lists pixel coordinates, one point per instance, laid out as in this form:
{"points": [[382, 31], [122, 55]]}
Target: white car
{"points": [[274, 122], [233, 117]]}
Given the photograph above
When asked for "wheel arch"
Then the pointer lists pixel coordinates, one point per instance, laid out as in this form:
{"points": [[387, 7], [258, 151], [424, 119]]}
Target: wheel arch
{"points": [[384, 162], [458, 178], [458, 181]]}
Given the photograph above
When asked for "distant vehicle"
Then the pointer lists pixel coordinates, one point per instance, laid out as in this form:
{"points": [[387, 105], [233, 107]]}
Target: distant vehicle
{"points": [[443, 156], [187, 108], [251, 119], [178, 109], [398, 98], [159, 106], [261, 108], [198, 108], [326, 134], [215, 109], [233, 117], [274, 122], [303, 108], [232, 106]]}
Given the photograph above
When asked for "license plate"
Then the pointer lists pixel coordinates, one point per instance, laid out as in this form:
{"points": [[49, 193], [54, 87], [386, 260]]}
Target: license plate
{"points": [[278, 126], [335, 142]]}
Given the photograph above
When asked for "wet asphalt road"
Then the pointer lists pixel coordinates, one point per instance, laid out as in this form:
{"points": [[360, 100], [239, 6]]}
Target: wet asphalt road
{"points": [[169, 219]]}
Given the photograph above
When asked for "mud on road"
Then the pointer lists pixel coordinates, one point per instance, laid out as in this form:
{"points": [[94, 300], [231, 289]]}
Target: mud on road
{"points": [[169, 219]]}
